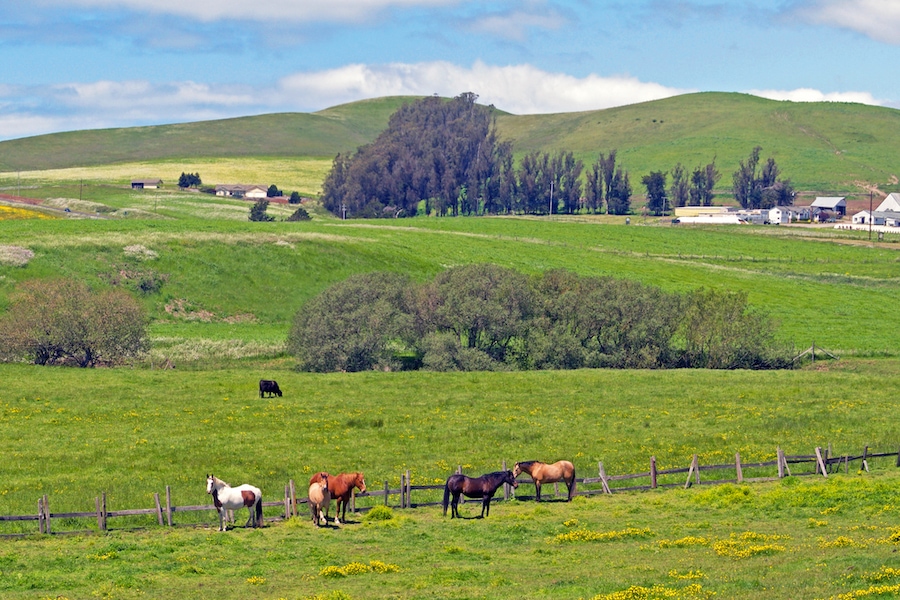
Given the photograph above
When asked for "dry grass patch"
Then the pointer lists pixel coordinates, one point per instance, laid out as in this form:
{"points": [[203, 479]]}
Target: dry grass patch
{"points": [[15, 256]]}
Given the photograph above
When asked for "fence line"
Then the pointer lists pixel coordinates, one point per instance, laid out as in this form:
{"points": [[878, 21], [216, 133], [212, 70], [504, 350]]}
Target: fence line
{"points": [[822, 464]]}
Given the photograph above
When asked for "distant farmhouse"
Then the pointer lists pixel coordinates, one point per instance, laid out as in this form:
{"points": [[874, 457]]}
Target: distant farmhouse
{"points": [[836, 205], [239, 190], [146, 184]]}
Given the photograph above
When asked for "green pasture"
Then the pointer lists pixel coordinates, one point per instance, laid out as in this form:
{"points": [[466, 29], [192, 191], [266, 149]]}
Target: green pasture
{"points": [[225, 280], [73, 434]]}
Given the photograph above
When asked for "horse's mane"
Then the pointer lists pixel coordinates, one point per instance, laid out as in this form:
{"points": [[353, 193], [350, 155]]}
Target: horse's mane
{"points": [[528, 463]]}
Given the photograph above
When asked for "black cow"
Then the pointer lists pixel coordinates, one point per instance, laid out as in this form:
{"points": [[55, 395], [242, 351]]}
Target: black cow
{"points": [[269, 386]]}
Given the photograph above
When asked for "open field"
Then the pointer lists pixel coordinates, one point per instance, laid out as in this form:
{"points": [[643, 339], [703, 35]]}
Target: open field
{"points": [[72, 434]]}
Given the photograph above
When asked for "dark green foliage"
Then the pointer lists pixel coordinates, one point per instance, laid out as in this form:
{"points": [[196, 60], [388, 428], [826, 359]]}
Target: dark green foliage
{"points": [[273, 191], [761, 189], [657, 199], [618, 198], [299, 215], [63, 322], [485, 317], [258, 211], [354, 325], [679, 190], [441, 152], [295, 198], [187, 180]]}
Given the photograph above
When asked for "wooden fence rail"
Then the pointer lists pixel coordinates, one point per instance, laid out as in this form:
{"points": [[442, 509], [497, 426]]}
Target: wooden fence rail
{"points": [[819, 463]]}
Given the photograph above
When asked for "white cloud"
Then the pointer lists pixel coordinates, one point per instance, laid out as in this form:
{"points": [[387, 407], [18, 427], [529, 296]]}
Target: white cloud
{"points": [[877, 19], [522, 89], [515, 25], [811, 95], [256, 10]]}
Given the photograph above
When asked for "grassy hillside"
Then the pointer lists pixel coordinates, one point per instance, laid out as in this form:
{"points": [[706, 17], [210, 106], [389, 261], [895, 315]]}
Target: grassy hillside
{"points": [[295, 134], [822, 147]]}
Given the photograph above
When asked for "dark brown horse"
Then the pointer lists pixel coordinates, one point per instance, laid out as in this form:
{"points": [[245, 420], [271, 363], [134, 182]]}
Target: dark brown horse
{"points": [[482, 487], [561, 470], [341, 487]]}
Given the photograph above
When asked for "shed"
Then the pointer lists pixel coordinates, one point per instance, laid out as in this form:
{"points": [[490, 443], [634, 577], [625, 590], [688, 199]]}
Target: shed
{"points": [[835, 204], [890, 204], [145, 184]]}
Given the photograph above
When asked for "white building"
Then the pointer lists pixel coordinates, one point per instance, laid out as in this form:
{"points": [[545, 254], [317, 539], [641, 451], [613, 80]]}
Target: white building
{"points": [[238, 190]]}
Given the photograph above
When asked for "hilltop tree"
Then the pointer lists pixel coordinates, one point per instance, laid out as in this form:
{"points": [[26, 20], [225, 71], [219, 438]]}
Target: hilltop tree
{"points": [[441, 152], [187, 180]]}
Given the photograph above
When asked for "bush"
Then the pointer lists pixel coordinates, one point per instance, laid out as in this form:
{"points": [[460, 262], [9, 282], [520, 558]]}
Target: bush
{"points": [[258, 211], [354, 325], [299, 215], [63, 322]]}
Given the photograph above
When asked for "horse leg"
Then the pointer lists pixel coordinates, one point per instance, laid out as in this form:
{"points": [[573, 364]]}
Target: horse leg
{"points": [[337, 511], [486, 506], [537, 491], [454, 503], [222, 518]]}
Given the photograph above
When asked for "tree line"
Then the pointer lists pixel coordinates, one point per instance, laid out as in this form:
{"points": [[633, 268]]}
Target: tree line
{"points": [[443, 157], [487, 317]]}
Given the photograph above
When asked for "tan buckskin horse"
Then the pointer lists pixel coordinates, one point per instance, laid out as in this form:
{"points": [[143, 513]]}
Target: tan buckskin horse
{"points": [[318, 498], [341, 487], [561, 470]]}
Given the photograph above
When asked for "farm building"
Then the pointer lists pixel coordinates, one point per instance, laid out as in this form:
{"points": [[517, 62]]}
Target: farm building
{"points": [[788, 214], [238, 190], [890, 204], [146, 184], [886, 218], [833, 204]]}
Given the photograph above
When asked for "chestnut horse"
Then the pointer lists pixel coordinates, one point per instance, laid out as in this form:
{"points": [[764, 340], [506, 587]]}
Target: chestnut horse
{"points": [[482, 487], [318, 498], [227, 498], [540, 472], [341, 487]]}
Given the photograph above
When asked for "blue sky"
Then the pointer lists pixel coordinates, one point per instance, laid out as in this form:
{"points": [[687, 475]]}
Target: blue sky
{"points": [[84, 64]]}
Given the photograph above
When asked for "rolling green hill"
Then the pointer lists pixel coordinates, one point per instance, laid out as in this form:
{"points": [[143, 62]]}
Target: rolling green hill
{"points": [[822, 147]]}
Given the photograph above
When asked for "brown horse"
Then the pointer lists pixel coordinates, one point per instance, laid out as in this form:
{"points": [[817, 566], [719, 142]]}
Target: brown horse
{"points": [[561, 470], [483, 487], [341, 487]]}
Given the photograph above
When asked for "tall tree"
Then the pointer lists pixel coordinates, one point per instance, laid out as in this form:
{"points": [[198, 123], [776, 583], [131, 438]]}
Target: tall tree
{"points": [[679, 192], [608, 168], [618, 199], [594, 189], [763, 189], [657, 200]]}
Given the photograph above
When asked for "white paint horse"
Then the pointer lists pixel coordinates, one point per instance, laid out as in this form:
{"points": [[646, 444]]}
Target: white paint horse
{"points": [[319, 498], [227, 498]]}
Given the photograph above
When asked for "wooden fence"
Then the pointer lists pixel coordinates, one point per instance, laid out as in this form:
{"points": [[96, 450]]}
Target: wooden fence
{"points": [[819, 463]]}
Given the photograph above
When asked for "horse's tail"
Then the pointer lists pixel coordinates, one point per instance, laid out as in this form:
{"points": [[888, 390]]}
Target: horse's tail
{"points": [[446, 501], [259, 516], [572, 485]]}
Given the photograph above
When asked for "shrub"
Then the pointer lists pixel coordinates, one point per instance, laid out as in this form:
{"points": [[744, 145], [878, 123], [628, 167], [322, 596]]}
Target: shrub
{"points": [[258, 211], [299, 215], [63, 322]]}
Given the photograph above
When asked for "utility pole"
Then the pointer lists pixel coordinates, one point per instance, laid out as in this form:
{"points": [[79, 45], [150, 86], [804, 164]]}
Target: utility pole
{"points": [[871, 215]]}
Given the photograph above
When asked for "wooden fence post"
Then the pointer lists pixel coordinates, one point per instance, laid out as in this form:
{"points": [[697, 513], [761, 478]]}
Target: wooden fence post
{"points": [[603, 480], [287, 502], [693, 470], [387, 491], [99, 513], [865, 462], [47, 514], [41, 514], [159, 516], [402, 490], [780, 459], [820, 464], [169, 506], [653, 472], [408, 490], [898, 457], [737, 467], [294, 511], [103, 511]]}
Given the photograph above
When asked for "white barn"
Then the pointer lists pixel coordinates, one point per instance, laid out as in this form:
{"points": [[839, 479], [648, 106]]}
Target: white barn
{"points": [[890, 204]]}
